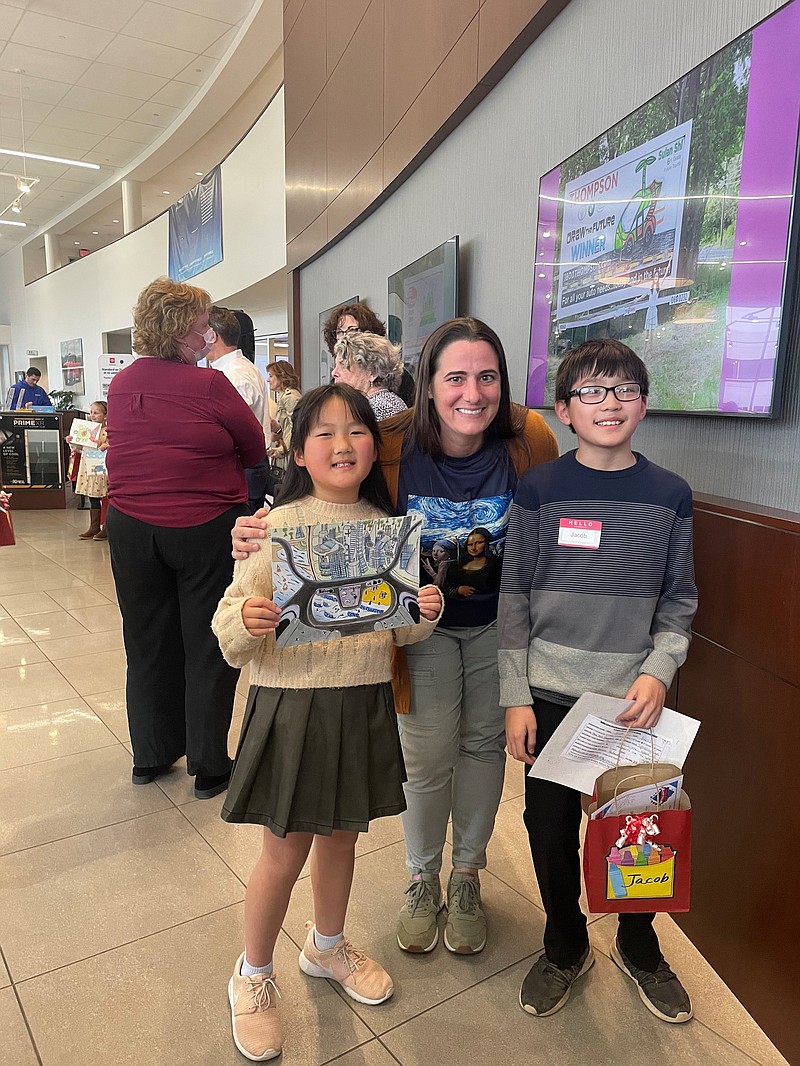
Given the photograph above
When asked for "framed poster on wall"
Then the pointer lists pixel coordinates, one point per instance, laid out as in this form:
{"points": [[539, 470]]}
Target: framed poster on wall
{"points": [[422, 296], [674, 231], [72, 366]]}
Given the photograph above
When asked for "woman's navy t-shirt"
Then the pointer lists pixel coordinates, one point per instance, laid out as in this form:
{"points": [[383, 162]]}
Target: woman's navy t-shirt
{"points": [[454, 497]]}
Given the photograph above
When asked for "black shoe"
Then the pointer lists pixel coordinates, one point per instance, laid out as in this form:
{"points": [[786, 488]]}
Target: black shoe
{"points": [[546, 988], [143, 775], [660, 991], [205, 787]]}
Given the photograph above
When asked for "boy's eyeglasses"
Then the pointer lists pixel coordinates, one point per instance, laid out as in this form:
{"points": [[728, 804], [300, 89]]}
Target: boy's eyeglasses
{"points": [[349, 332], [628, 390]]}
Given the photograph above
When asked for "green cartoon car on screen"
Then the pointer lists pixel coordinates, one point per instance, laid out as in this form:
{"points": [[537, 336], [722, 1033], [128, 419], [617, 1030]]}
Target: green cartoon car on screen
{"points": [[638, 220]]}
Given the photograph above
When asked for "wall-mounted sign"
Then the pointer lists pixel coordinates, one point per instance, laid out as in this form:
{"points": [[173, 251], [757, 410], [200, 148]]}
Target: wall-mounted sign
{"points": [[110, 366]]}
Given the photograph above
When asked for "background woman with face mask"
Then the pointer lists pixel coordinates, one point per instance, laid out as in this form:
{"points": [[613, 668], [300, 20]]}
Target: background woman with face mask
{"points": [[180, 437]]}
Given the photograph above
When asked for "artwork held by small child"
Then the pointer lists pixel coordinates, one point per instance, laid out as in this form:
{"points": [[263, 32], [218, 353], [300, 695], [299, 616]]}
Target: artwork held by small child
{"points": [[341, 579]]}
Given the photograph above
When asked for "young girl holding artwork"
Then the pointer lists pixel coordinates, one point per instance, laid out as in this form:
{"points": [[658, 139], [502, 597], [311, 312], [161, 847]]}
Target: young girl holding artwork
{"points": [[319, 756], [92, 477]]}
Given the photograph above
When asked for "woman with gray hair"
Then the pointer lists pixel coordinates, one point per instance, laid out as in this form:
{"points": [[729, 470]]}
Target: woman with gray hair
{"points": [[374, 366]]}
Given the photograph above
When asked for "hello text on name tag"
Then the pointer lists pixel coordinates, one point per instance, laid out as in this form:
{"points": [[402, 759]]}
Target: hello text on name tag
{"points": [[579, 533]]}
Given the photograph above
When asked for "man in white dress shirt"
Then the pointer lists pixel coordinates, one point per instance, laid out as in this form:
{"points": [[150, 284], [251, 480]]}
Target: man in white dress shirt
{"points": [[226, 356]]}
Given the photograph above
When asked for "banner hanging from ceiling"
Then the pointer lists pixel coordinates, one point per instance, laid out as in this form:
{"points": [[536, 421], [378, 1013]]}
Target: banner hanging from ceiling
{"points": [[195, 229]]}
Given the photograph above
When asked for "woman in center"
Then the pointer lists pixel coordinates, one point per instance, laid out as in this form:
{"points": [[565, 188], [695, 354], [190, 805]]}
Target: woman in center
{"points": [[454, 458]]}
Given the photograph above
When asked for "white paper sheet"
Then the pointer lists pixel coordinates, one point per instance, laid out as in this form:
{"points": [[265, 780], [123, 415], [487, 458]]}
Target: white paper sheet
{"points": [[588, 742]]}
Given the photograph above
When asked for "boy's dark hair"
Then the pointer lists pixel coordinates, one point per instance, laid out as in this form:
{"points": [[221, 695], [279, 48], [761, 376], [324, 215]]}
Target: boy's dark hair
{"points": [[297, 481], [33, 371], [602, 358], [367, 320], [226, 325]]}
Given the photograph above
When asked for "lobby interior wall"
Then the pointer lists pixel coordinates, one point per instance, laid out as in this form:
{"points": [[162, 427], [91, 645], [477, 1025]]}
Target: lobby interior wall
{"points": [[95, 294], [593, 65]]}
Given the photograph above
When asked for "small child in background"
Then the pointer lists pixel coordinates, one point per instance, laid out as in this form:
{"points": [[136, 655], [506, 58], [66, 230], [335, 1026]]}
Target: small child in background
{"points": [[92, 477], [319, 755], [73, 468]]}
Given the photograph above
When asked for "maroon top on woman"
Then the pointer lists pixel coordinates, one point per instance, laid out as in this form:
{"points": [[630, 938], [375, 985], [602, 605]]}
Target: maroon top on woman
{"points": [[179, 438]]}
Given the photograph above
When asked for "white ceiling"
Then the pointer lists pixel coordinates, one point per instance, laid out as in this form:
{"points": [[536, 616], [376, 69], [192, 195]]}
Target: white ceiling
{"points": [[113, 82]]}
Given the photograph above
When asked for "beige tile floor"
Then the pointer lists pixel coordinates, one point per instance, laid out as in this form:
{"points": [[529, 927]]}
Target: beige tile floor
{"points": [[121, 907]]}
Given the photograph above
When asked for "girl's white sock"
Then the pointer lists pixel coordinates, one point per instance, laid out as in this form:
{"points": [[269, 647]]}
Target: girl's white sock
{"points": [[325, 943], [251, 971]]}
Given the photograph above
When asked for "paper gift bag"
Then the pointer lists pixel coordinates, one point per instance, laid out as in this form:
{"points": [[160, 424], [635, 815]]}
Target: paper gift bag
{"points": [[636, 872], [626, 778]]}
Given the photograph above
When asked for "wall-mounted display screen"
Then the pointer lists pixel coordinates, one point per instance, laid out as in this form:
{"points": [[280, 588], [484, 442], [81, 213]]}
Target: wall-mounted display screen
{"points": [[422, 296], [673, 231]]}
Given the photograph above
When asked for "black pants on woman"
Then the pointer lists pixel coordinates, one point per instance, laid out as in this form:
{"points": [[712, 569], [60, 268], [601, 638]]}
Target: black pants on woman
{"points": [[553, 820], [179, 689]]}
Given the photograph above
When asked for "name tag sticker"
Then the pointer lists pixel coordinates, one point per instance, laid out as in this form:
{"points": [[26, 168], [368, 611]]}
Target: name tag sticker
{"points": [[579, 533]]}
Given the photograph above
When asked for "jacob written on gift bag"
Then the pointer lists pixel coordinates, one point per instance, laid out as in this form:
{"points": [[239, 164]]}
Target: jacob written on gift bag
{"points": [[639, 860]]}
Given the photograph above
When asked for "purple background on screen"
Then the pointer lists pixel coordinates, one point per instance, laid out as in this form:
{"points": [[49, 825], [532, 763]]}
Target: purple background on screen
{"points": [[768, 169], [542, 309]]}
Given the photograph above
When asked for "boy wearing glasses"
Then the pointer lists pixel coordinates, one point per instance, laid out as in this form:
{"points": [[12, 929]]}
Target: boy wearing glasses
{"points": [[597, 595]]}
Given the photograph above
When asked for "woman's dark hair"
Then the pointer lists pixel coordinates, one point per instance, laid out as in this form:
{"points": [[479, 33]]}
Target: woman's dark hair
{"points": [[367, 320], [297, 480], [425, 430]]}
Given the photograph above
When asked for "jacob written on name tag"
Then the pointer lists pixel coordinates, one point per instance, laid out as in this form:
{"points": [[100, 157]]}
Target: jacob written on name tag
{"points": [[579, 533]]}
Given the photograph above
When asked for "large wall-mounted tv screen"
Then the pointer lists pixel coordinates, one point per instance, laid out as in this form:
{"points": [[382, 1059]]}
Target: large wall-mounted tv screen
{"points": [[422, 296], [673, 231]]}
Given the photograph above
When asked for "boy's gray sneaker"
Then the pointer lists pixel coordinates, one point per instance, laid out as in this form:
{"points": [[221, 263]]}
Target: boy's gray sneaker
{"points": [[546, 988], [465, 931], [417, 930], [660, 991]]}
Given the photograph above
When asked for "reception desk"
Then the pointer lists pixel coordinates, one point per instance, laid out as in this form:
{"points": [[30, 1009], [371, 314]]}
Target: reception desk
{"points": [[33, 458]]}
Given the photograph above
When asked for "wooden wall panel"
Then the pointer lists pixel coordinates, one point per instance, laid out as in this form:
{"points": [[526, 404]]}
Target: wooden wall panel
{"points": [[748, 567], [291, 10], [741, 680], [448, 87], [305, 47], [358, 194], [413, 57], [355, 103], [343, 18], [301, 249], [381, 72], [502, 21], [306, 172], [742, 777]]}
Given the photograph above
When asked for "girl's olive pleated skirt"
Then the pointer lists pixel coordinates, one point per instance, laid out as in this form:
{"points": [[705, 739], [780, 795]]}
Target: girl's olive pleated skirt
{"points": [[315, 760]]}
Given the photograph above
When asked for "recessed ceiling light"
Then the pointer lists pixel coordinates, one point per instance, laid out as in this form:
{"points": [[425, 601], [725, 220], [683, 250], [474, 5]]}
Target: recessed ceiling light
{"points": [[77, 242], [95, 233], [198, 173], [165, 192], [115, 220]]}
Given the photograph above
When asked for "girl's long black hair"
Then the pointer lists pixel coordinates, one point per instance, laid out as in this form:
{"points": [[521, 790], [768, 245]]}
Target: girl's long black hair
{"points": [[297, 480]]}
